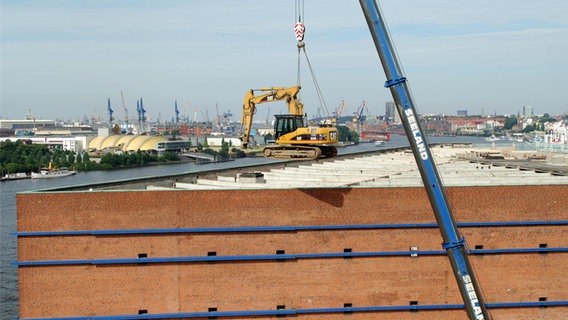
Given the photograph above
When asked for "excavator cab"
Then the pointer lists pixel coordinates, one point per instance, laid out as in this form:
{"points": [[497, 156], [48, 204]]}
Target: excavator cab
{"points": [[286, 123]]}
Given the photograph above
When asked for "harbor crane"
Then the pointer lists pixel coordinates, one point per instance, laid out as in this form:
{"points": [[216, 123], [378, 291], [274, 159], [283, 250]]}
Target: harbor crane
{"points": [[141, 114], [125, 110], [359, 117], [338, 112], [454, 243], [110, 112], [177, 111]]}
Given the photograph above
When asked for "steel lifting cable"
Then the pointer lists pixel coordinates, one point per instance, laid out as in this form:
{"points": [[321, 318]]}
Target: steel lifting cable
{"points": [[299, 30], [299, 6], [318, 90], [298, 69]]}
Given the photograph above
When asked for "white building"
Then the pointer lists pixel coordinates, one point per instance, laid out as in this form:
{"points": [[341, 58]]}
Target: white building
{"points": [[76, 144]]}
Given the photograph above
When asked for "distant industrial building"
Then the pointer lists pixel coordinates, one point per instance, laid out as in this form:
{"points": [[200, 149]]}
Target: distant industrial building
{"points": [[462, 113], [29, 125], [391, 115], [184, 130], [74, 143], [42, 128], [528, 111]]}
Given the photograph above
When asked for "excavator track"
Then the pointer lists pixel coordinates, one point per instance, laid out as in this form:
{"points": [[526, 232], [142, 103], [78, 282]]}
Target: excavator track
{"points": [[298, 152], [328, 151]]}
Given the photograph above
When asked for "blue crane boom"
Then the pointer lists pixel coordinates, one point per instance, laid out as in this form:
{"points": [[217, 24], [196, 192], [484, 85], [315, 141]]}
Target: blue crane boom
{"points": [[454, 243]]}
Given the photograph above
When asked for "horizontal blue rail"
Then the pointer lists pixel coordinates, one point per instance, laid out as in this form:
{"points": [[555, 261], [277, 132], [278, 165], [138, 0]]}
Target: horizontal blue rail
{"points": [[296, 312], [286, 228], [266, 257]]}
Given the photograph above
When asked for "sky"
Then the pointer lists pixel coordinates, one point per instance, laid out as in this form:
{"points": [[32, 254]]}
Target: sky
{"points": [[62, 59]]}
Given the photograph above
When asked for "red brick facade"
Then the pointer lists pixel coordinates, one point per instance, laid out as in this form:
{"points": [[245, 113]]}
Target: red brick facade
{"points": [[308, 283]]}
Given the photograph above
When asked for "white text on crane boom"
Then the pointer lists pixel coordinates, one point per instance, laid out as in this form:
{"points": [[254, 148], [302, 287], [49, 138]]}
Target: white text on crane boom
{"points": [[416, 133]]}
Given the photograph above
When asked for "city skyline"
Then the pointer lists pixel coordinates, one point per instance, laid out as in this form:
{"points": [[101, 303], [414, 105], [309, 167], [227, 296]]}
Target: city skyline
{"points": [[64, 59]]}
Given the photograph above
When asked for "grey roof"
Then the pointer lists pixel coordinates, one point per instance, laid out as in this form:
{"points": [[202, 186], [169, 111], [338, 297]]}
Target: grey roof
{"points": [[456, 166]]}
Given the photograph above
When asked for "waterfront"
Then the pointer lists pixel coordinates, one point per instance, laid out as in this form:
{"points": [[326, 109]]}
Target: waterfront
{"points": [[8, 190]]}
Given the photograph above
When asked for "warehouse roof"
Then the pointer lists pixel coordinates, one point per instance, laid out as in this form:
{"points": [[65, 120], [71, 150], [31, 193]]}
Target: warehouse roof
{"points": [[127, 142]]}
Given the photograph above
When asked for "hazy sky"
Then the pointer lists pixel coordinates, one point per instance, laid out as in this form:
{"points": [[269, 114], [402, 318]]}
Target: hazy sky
{"points": [[63, 59]]}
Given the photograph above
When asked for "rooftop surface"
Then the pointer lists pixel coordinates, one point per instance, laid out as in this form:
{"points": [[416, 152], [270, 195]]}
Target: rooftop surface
{"points": [[457, 166]]}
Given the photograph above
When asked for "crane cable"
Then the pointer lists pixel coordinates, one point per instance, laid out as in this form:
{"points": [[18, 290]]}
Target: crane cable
{"points": [[299, 30]]}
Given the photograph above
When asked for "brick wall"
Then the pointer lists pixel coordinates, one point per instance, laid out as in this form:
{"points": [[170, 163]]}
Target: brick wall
{"points": [[121, 289]]}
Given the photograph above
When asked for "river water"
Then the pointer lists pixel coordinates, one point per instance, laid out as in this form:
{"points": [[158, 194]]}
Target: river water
{"points": [[9, 189]]}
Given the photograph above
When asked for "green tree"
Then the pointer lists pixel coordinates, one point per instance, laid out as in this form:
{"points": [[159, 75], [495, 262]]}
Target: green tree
{"points": [[238, 153], [22, 156], [353, 136], [71, 158], [344, 134], [12, 167], [224, 152], [6, 151], [509, 123], [170, 156], [130, 160], [529, 128], [545, 118]]}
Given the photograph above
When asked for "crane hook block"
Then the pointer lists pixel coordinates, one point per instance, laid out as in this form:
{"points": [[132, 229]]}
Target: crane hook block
{"points": [[299, 31]]}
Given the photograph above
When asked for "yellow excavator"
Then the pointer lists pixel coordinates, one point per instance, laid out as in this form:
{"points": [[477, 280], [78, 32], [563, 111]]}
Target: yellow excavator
{"points": [[295, 140]]}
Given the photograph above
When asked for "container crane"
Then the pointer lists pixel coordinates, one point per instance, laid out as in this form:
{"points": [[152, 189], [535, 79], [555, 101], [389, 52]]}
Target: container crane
{"points": [[359, 118], [141, 114], [359, 113], [338, 112], [218, 119], [125, 110], [454, 243], [142, 111], [110, 112], [177, 111]]}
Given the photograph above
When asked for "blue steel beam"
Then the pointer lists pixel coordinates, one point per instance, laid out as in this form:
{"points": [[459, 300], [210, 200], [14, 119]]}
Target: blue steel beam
{"points": [[454, 243], [267, 257], [286, 228], [297, 312]]}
